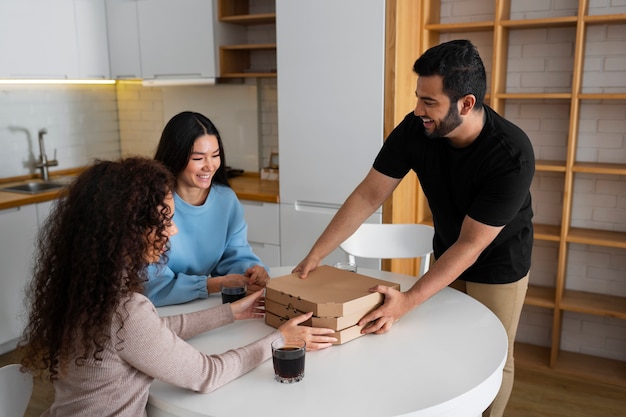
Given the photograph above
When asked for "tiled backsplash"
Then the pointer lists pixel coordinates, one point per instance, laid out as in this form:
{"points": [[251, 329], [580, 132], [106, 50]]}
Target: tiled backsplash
{"points": [[81, 122]]}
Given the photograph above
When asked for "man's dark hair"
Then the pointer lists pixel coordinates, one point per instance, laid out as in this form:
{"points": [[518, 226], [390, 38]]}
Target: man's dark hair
{"points": [[461, 67]]}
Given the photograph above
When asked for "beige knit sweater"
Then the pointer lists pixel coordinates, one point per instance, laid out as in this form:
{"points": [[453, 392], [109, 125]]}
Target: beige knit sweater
{"points": [[152, 347]]}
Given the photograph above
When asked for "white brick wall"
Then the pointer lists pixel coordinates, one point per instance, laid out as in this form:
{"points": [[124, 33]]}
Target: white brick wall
{"points": [[546, 122], [459, 11], [540, 60], [605, 59], [268, 110], [599, 202], [535, 326], [81, 121], [141, 118], [594, 335]]}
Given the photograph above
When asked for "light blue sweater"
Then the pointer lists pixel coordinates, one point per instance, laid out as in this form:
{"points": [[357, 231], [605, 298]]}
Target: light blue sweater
{"points": [[211, 241]]}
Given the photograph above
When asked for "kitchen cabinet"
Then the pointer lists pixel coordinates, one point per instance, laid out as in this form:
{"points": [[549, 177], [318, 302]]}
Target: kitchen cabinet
{"points": [[59, 40], [19, 229], [263, 230], [330, 112], [550, 71], [91, 39], [165, 39], [123, 37]]}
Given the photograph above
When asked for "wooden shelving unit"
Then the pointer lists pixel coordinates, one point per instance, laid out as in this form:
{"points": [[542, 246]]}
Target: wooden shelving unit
{"points": [[236, 61], [560, 298]]}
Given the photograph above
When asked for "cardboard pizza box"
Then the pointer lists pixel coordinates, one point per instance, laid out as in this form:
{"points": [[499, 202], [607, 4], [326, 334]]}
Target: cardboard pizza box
{"points": [[335, 323], [327, 292], [343, 336]]}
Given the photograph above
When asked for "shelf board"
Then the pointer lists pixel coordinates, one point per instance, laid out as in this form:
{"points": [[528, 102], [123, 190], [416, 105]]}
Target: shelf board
{"points": [[250, 19], [601, 96], [551, 22], [595, 304], [596, 237], [602, 19], [540, 296], [599, 168], [577, 365], [248, 47], [460, 27], [547, 232], [249, 75], [550, 166], [535, 96]]}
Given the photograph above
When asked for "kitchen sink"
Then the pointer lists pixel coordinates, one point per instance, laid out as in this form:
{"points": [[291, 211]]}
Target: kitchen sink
{"points": [[34, 187]]}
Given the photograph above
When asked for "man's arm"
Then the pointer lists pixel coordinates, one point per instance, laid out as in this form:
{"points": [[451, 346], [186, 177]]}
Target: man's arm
{"points": [[473, 239], [364, 200]]}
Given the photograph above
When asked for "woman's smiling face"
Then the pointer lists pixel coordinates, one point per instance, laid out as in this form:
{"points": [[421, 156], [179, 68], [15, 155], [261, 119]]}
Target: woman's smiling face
{"points": [[204, 161]]}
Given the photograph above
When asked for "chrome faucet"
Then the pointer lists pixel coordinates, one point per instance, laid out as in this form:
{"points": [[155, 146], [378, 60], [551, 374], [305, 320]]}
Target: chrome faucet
{"points": [[44, 162]]}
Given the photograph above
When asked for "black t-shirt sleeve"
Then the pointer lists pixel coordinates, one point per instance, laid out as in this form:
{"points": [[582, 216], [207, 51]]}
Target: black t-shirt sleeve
{"points": [[393, 159]]}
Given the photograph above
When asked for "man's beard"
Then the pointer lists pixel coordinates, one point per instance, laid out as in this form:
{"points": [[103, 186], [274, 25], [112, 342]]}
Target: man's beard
{"points": [[448, 124]]}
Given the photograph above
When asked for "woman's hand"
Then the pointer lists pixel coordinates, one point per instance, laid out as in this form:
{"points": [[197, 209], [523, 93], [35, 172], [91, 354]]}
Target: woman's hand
{"points": [[315, 337], [249, 307], [257, 278]]}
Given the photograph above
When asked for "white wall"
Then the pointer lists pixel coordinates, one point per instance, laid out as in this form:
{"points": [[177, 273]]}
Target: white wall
{"points": [[144, 111], [81, 122]]}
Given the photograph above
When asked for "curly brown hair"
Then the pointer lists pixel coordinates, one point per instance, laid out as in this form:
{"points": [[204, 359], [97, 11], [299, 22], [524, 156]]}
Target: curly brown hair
{"points": [[91, 256]]}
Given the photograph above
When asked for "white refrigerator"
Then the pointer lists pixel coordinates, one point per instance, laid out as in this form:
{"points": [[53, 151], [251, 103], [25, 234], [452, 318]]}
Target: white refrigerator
{"points": [[330, 63]]}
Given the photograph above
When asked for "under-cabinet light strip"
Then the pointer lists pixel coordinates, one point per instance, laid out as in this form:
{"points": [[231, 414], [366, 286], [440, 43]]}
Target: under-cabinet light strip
{"points": [[54, 81]]}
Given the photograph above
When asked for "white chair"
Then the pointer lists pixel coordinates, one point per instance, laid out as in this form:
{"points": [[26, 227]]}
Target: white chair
{"points": [[16, 388], [391, 241]]}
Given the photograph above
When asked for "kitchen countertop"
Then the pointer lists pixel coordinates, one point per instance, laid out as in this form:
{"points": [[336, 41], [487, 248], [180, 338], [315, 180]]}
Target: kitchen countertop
{"points": [[248, 186]]}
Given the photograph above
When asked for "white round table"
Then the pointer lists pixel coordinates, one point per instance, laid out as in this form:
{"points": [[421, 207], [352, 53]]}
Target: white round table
{"points": [[444, 358]]}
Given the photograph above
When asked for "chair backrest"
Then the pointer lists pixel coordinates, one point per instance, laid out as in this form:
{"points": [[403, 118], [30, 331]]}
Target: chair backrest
{"points": [[391, 241], [16, 388]]}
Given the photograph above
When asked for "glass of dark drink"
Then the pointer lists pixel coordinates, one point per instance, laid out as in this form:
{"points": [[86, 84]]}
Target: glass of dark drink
{"points": [[288, 356], [233, 289]]}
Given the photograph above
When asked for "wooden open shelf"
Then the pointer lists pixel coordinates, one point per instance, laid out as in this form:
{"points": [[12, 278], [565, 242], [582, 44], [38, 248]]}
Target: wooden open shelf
{"points": [[597, 237], [595, 304], [236, 60], [577, 365], [547, 232], [540, 296], [599, 168], [258, 19], [559, 299], [550, 166]]}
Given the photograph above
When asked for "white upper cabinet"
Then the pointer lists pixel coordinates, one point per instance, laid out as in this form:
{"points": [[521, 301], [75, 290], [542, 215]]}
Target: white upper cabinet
{"points": [[123, 35], [40, 39], [91, 36], [165, 39]]}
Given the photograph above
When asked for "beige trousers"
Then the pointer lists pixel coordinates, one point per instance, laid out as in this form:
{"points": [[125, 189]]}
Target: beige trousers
{"points": [[506, 302]]}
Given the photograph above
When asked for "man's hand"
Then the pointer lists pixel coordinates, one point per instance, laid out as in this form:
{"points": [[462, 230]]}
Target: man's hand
{"points": [[307, 265], [396, 305]]}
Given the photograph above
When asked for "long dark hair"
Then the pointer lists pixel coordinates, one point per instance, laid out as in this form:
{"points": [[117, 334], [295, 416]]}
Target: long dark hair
{"points": [[91, 256], [461, 67], [178, 137]]}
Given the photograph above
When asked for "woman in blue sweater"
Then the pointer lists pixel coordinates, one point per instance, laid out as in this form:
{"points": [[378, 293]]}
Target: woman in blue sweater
{"points": [[212, 233]]}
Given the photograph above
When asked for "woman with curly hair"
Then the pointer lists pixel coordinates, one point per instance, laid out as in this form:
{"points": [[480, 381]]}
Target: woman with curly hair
{"points": [[92, 332]]}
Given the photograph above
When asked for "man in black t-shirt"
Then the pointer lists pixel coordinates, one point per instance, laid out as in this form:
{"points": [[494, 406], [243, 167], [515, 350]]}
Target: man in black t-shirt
{"points": [[475, 168]]}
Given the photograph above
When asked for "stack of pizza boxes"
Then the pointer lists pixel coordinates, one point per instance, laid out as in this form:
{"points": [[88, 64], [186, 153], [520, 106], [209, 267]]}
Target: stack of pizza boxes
{"points": [[337, 298]]}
